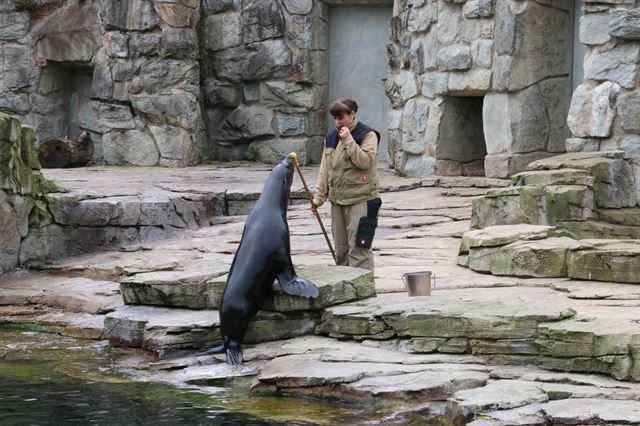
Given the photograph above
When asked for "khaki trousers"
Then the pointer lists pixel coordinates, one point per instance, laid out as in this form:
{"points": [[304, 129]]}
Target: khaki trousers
{"points": [[344, 224]]}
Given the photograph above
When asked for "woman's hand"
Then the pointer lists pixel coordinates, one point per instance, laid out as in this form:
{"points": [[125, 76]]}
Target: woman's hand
{"points": [[344, 133], [314, 209]]}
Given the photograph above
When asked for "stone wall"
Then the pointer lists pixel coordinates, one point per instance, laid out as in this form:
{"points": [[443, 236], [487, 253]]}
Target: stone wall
{"points": [[463, 71], [264, 77], [605, 108], [22, 189], [130, 73], [127, 71], [476, 86]]}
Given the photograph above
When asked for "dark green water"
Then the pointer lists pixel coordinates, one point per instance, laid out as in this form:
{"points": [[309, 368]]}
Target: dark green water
{"points": [[46, 379]]}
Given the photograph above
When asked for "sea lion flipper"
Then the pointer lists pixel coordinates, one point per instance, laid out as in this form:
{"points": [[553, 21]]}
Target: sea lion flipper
{"points": [[297, 286], [234, 355], [214, 350]]}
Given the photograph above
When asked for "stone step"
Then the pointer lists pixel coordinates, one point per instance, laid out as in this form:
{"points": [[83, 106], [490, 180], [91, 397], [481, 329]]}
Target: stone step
{"points": [[541, 258], [511, 402], [562, 189], [627, 217], [565, 176], [200, 288], [529, 251], [614, 182], [503, 325], [595, 229], [165, 327], [161, 330], [606, 260], [537, 205]]}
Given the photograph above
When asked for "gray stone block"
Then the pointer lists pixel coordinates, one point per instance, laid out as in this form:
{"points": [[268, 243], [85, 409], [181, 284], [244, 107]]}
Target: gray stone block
{"points": [[454, 57], [628, 106], [594, 28], [129, 15], [619, 65], [222, 31], [625, 23]]}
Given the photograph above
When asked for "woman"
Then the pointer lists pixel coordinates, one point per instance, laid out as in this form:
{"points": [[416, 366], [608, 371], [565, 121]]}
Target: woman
{"points": [[349, 179]]}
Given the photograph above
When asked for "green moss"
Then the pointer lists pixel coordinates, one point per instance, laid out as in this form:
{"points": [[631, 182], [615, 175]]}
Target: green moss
{"points": [[39, 215], [22, 5], [30, 156], [251, 153], [19, 163]]}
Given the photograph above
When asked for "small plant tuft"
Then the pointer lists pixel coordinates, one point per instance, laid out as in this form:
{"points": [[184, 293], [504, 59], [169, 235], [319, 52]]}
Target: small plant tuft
{"points": [[162, 53], [205, 155], [251, 153]]}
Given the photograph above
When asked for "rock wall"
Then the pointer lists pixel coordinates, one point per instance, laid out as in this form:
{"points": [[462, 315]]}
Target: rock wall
{"points": [[264, 77], [22, 189], [127, 71], [476, 86], [463, 71], [605, 108], [130, 73]]}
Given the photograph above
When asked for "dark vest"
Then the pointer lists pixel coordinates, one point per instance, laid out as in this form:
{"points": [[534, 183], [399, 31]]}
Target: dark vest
{"points": [[359, 132]]}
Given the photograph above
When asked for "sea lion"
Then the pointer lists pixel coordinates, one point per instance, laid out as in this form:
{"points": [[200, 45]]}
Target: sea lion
{"points": [[264, 254]]}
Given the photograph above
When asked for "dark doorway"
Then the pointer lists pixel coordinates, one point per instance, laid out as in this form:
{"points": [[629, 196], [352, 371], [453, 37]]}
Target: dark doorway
{"points": [[63, 90], [461, 147]]}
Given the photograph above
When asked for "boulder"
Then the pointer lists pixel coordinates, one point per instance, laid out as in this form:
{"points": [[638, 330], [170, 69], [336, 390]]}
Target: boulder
{"points": [[592, 109]]}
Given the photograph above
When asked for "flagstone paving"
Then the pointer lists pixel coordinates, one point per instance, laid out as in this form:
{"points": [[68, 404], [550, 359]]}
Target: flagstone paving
{"points": [[483, 349]]}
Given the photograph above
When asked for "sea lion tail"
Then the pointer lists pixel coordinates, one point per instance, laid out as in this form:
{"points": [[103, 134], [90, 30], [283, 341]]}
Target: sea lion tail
{"points": [[300, 287]]}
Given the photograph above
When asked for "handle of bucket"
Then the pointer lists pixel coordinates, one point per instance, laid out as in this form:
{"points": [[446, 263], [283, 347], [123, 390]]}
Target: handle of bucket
{"points": [[434, 280], [403, 282]]}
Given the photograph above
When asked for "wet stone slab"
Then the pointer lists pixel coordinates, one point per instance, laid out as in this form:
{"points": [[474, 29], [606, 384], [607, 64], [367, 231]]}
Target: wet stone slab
{"points": [[75, 294], [161, 330], [592, 411], [196, 288]]}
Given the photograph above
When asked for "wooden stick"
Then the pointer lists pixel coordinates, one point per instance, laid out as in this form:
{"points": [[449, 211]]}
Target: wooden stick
{"points": [[310, 196]]}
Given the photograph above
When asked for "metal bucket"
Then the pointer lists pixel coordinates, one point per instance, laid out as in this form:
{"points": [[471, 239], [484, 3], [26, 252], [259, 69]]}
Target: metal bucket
{"points": [[419, 283]]}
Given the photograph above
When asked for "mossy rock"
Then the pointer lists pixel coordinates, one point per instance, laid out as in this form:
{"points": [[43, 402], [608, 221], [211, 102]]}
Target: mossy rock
{"points": [[540, 258], [608, 260], [500, 235], [567, 176], [593, 229]]}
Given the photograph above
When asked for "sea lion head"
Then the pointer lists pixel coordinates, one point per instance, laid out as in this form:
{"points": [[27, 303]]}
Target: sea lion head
{"points": [[280, 180]]}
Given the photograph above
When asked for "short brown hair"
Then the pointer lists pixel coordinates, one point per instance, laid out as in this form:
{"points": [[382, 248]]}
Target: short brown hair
{"points": [[343, 106]]}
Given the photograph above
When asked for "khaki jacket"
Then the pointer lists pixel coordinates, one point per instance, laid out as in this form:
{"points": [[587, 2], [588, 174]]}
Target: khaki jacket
{"points": [[348, 173]]}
